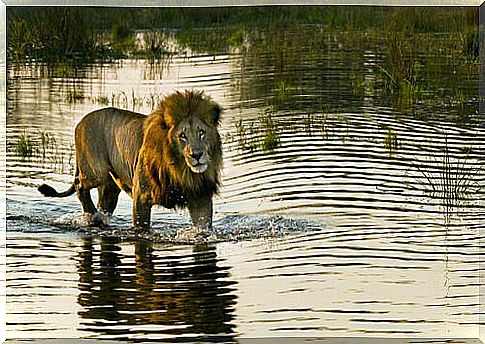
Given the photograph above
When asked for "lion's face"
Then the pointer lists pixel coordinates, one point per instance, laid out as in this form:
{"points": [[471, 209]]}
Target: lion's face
{"points": [[192, 139], [181, 151]]}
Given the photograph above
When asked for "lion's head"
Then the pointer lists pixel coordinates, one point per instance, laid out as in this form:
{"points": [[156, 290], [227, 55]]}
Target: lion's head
{"points": [[192, 120], [182, 145]]}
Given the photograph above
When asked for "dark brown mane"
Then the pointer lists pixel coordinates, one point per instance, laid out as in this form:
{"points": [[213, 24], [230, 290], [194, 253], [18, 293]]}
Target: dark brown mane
{"points": [[172, 182]]}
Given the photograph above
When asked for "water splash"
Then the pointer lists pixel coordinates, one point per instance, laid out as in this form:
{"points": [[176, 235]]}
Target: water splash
{"points": [[229, 228]]}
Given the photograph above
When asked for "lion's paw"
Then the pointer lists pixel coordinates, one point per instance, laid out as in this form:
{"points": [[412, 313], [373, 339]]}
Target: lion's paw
{"points": [[99, 218]]}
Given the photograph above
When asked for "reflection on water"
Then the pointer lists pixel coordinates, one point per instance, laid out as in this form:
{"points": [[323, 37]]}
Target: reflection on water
{"points": [[157, 293], [352, 200], [389, 279]]}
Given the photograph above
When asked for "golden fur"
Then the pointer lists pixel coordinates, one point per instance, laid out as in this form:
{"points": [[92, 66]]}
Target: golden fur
{"points": [[172, 157], [166, 165]]}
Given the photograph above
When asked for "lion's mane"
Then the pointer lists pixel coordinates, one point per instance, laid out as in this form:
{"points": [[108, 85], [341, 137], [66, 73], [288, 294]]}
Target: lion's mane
{"points": [[172, 183]]}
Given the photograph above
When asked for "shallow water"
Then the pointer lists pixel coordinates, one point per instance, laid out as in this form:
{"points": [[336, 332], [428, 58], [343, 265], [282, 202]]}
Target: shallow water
{"points": [[342, 213]]}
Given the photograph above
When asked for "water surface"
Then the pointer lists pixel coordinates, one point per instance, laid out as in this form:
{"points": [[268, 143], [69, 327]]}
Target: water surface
{"points": [[345, 211]]}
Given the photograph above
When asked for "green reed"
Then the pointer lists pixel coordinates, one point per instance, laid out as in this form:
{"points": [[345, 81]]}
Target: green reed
{"points": [[285, 90], [262, 134], [391, 142], [451, 177], [44, 147], [74, 96], [237, 38], [270, 139], [87, 33], [24, 146]]}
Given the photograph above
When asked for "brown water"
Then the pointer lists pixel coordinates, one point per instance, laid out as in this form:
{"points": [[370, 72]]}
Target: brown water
{"points": [[343, 212]]}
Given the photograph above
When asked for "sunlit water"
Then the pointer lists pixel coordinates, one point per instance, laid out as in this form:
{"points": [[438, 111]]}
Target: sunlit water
{"points": [[343, 215]]}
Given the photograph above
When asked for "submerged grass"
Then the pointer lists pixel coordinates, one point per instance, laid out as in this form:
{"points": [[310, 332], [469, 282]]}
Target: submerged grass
{"points": [[451, 177], [391, 142], [261, 135], [24, 146], [271, 138], [44, 147], [246, 135]]}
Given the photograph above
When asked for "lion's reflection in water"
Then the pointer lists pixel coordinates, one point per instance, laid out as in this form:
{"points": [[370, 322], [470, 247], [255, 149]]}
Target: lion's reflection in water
{"points": [[159, 293]]}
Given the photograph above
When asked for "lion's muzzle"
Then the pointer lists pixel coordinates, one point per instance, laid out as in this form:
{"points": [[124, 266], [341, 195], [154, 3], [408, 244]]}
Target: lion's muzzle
{"points": [[197, 162]]}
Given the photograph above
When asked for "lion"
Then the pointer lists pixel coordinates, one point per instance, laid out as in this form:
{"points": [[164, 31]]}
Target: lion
{"points": [[172, 157]]}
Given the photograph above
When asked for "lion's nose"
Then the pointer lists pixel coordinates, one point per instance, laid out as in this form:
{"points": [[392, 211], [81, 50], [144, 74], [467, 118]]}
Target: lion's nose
{"points": [[196, 155]]}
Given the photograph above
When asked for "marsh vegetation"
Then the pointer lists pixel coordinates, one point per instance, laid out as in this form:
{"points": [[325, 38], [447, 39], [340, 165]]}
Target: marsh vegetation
{"points": [[87, 33], [353, 167], [43, 148], [419, 61]]}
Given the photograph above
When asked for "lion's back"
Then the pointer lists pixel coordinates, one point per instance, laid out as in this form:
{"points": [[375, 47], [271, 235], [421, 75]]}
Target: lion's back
{"points": [[108, 118], [109, 140]]}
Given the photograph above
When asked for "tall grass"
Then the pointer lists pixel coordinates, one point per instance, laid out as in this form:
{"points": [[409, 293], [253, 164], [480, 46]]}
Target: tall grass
{"points": [[24, 146], [452, 177], [52, 33], [44, 147], [263, 134], [391, 142], [64, 33], [403, 71], [270, 139]]}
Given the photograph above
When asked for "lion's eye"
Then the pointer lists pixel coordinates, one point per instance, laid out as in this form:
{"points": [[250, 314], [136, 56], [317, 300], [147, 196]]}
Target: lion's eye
{"points": [[183, 137], [201, 133]]}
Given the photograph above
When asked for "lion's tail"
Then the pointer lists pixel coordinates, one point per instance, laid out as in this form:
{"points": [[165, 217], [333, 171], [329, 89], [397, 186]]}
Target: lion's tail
{"points": [[49, 191]]}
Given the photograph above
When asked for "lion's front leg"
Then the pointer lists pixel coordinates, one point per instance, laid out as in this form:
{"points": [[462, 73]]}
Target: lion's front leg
{"points": [[142, 202], [201, 213], [141, 213]]}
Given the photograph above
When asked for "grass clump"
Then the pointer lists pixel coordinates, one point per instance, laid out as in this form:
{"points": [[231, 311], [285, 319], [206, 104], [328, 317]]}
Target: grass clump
{"points": [[452, 177], [284, 90], [402, 72], [44, 147], [25, 146], [156, 44], [391, 142], [74, 96], [270, 139], [262, 134], [237, 38]]}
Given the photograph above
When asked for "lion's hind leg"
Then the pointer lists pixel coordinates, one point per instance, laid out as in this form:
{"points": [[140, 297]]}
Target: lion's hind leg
{"points": [[84, 196], [108, 196], [91, 214]]}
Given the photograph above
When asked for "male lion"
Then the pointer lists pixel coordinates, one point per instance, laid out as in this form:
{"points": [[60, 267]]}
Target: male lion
{"points": [[171, 157]]}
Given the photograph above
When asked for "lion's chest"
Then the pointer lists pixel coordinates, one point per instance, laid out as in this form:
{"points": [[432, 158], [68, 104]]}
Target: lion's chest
{"points": [[172, 197]]}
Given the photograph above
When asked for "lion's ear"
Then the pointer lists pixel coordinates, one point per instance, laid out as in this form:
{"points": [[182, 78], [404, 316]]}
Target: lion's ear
{"points": [[163, 124], [165, 118], [216, 114]]}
